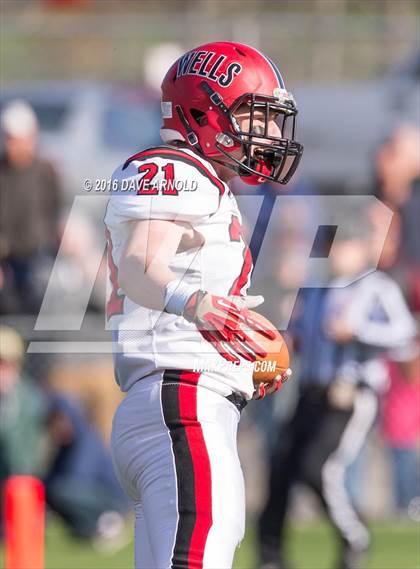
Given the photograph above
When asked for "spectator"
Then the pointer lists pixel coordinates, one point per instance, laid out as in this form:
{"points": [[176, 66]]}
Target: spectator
{"points": [[81, 485], [23, 408], [401, 429], [398, 175], [30, 204], [341, 333]]}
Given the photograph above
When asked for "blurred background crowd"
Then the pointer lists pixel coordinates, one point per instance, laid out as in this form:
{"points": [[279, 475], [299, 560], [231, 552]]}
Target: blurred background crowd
{"points": [[79, 94]]}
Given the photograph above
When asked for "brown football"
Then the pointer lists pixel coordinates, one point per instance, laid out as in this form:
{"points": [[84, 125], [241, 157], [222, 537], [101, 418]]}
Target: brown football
{"points": [[277, 358]]}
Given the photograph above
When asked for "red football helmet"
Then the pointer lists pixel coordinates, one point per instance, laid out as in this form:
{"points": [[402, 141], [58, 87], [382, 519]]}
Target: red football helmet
{"points": [[204, 89]]}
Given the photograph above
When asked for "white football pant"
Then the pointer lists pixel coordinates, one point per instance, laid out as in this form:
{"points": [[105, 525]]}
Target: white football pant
{"points": [[175, 454]]}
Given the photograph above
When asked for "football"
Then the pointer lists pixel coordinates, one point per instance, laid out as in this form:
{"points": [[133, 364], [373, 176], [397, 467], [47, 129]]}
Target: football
{"points": [[277, 359]]}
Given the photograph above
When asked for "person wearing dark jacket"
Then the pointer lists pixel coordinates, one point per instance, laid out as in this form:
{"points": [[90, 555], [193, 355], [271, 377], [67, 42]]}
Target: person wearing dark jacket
{"points": [[30, 204], [341, 334]]}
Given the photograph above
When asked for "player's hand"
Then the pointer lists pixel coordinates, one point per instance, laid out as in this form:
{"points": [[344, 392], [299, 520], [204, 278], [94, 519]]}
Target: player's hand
{"points": [[339, 330], [225, 321], [268, 388]]}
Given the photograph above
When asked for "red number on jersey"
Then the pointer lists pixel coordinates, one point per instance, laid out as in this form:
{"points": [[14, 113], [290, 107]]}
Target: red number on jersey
{"points": [[115, 304], [146, 186], [169, 188], [235, 229]]}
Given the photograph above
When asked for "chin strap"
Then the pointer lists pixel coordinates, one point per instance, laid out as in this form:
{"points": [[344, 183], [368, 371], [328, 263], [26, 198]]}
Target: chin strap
{"points": [[214, 96], [231, 165], [217, 100], [191, 136]]}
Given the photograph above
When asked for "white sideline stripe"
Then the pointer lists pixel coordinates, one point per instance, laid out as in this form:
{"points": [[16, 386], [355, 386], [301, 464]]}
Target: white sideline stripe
{"points": [[334, 469]]}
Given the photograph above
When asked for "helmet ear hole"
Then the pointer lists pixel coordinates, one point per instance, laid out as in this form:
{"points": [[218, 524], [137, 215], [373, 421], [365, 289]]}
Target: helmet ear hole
{"points": [[199, 117]]}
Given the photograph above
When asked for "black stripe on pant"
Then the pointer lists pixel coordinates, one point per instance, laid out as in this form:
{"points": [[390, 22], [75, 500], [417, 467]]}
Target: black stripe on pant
{"points": [[184, 468]]}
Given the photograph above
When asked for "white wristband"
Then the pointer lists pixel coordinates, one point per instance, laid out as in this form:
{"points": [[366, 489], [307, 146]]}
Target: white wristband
{"points": [[177, 294]]}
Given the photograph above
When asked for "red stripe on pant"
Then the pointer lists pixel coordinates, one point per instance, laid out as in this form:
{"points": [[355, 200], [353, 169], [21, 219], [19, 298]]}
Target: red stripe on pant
{"points": [[201, 465]]}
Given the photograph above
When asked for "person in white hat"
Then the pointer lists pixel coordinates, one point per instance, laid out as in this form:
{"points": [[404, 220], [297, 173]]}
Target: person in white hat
{"points": [[30, 204]]}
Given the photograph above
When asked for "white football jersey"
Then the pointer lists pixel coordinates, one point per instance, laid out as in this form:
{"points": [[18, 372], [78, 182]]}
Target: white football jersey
{"points": [[175, 184]]}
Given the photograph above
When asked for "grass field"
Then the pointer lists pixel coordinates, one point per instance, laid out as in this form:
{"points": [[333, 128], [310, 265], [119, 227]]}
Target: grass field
{"points": [[310, 547]]}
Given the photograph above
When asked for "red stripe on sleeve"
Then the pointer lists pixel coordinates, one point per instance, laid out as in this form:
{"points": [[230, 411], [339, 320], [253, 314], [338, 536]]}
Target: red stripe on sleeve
{"points": [[242, 279], [174, 153]]}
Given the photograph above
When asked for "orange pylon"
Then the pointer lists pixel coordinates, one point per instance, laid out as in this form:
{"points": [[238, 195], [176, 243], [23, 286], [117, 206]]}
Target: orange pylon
{"points": [[24, 501]]}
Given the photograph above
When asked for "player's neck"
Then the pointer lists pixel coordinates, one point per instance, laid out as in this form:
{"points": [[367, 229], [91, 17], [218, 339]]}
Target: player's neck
{"points": [[223, 172]]}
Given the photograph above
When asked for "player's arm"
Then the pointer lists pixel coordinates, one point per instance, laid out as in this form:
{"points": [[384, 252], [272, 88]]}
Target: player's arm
{"points": [[144, 265], [145, 277]]}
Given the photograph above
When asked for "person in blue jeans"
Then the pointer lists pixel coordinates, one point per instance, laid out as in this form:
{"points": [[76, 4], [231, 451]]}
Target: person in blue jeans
{"points": [[401, 429], [81, 485]]}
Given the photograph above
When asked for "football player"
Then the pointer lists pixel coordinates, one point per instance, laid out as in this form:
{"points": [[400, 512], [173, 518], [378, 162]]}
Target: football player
{"points": [[179, 270]]}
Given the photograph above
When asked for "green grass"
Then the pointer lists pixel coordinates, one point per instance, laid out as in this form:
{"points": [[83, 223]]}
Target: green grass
{"points": [[310, 547], [314, 547]]}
